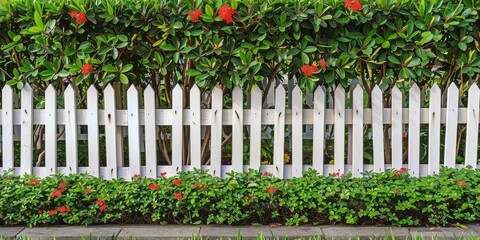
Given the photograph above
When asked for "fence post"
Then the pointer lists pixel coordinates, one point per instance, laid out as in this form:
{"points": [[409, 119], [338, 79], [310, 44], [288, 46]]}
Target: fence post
{"points": [[51, 130], [7, 128], [92, 128], [150, 133], [71, 143], [434, 131], [357, 132], [255, 127], [471, 143], [110, 132], [177, 129], [297, 132], [396, 130], [339, 130], [377, 130], [26, 117], [216, 140], [414, 131], [195, 127], [237, 129], [318, 130], [133, 130], [279, 132], [451, 126]]}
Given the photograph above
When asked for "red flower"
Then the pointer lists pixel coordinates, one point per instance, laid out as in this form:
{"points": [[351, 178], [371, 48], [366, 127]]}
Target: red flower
{"points": [[396, 191], [154, 186], [322, 63], [136, 175], [178, 196], [163, 174], [103, 208], [56, 193], [177, 182], [462, 183], [100, 202], [355, 5], [196, 185], [40, 211], [88, 191], [87, 68], [337, 174], [272, 189], [81, 18], [289, 185], [348, 3], [309, 70], [33, 182], [400, 171], [266, 174], [195, 14], [61, 185], [73, 14], [52, 212], [226, 12], [245, 198], [205, 187], [63, 209], [5, 179]]}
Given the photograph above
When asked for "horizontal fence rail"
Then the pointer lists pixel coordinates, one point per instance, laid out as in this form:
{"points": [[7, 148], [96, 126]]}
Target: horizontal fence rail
{"points": [[346, 120]]}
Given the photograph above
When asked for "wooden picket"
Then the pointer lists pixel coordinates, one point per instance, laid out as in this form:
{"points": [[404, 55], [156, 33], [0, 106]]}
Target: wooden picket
{"points": [[142, 122]]}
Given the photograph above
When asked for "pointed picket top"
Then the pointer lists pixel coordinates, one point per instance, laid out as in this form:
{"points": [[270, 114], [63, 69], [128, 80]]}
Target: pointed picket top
{"points": [[50, 90], [132, 91], [471, 141], [177, 89], [280, 90], [256, 90], [194, 89], [435, 89], [451, 126], [7, 90], [92, 90], [69, 89], [26, 89], [109, 90], [340, 90], [376, 90], [377, 130]]}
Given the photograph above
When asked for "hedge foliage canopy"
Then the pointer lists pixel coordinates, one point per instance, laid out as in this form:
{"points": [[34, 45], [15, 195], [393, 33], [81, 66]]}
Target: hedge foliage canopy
{"points": [[238, 42]]}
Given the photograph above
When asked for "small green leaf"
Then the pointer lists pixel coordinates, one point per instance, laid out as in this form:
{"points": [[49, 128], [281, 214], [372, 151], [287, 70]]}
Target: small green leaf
{"points": [[310, 49], [168, 47], [209, 10], [127, 68], [109, 68], [38, 20], [123, 78], [192, 72]]}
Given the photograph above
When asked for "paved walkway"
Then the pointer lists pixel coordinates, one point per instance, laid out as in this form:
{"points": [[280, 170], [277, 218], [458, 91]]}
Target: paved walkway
{"points": [[225, 232]]}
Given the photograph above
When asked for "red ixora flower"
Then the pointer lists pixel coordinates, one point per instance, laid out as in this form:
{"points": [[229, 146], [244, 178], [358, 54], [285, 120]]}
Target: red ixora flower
{"points": [[87, 68], [153, 186], [355, 5], [63, 209], [195, 14], [226, 12], [178, 196], [245, 198], [309, 70], [400, 171], [462, 183], [33, 182], [56, 193], [177, 182], [52, 212], [136, 175], [40, 211], [322, 63], [337, 174], [272, 190], [88, 191], [100, 202], [196, 185], [205, 187], [61, 185], [79, 17], [266, 174], [103, 208], [163, 174]]}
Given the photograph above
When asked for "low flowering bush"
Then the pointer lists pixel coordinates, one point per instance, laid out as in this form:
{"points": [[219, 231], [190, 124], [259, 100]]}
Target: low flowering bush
{"points": [[244, 198]]}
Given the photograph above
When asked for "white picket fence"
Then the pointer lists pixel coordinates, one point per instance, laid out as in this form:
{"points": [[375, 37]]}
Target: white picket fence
{"points": [[340, 117]]}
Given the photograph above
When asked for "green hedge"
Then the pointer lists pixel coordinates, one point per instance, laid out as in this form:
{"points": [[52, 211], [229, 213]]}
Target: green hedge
{"points": [[247, 198], [143, 41]]}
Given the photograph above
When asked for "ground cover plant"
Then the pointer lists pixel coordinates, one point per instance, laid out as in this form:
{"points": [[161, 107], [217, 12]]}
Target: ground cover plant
{"points": [[244, 198]]}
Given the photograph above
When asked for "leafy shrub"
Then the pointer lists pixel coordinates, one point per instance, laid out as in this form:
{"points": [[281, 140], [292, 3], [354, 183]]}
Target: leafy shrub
{"points": [[244, 198]]}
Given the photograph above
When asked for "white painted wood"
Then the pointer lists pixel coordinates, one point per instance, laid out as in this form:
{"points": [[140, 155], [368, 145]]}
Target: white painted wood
{"points": [[51, 130], [434, 131], [133, 130], [396, 130], [377, 130], [471, 144], [297, 132], [119, 90], [237, 130], [353, 85], [92, 128], [357, 132], [26, 128], [339, 130], [279, 133], [71, 133], [216, 136], [177, 128], [451, 126], [150, 133], [414, 131], [110, 132], [7, 128], [318, 130], [255, 127], [195, 127]]}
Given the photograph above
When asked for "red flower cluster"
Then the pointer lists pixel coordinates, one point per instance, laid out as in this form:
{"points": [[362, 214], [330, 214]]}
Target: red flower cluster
{"points": [[154, 187], [337, 174], [195, 14], [52, 212], [323, 64], [196, 185], [355, 5], [87, 68], [462, 183], [226, 12], [33, 182], [272, 189], [80, 17], [177, 182], [102, 205], [163, 174], [246, 198], [63, 209], [400, 171], [309, 70], [136, 175], [266, 174], [61, 185], [56, 193], [178, 196], [88, 191], [40, 211], [205, 187]]}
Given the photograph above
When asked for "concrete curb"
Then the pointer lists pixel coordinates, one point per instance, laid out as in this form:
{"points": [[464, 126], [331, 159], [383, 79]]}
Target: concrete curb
{"points": [[173, 232]]}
